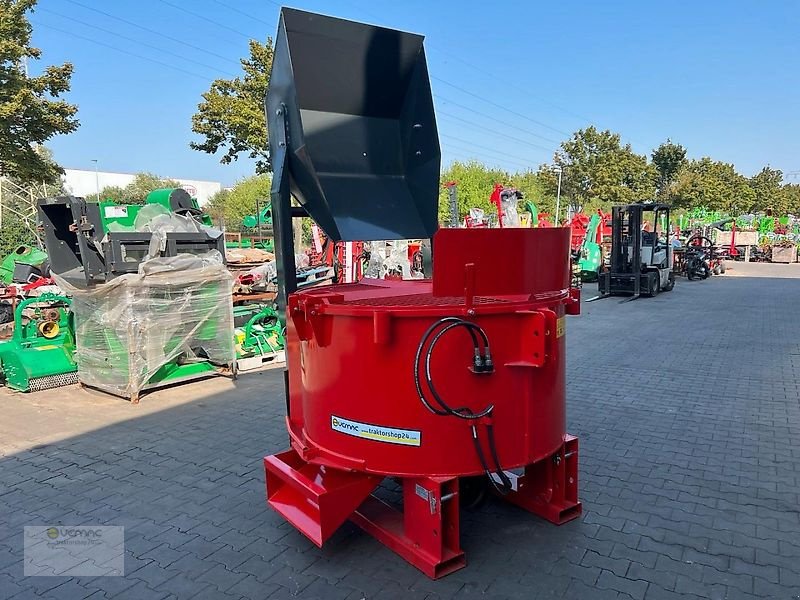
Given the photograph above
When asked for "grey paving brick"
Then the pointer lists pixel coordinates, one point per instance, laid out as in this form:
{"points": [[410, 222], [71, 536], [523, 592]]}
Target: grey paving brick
{"points": [[220, 577], [634, 588], [70, 589], [252, 588], [618, 566]]}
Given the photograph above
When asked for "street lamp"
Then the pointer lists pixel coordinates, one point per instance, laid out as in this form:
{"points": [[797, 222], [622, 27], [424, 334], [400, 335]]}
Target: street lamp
{"points": [[96, 179], [558, 171]]}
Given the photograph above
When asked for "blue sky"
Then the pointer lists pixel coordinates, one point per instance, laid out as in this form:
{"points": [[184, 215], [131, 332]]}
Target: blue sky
{"points": [[512, 79]]}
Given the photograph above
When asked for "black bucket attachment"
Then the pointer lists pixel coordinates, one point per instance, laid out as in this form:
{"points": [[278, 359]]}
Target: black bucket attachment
{"points": [[351, 119]]}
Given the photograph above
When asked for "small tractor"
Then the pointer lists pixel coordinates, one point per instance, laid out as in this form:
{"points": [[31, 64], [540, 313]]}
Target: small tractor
{"points": [[641, 261]]}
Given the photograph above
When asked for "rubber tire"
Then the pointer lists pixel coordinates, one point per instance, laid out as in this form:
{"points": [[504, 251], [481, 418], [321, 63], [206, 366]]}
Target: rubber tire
{"points": [[657, 286], [670, 284], [6, 313]]}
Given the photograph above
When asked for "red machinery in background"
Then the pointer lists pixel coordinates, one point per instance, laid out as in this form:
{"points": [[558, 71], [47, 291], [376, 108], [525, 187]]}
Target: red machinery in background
{"points": [[442, 384], [346, 258], [579, 224]]}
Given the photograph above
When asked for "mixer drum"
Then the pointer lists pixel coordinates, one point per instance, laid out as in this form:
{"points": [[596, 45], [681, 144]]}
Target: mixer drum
{"points": [[359, 403]]}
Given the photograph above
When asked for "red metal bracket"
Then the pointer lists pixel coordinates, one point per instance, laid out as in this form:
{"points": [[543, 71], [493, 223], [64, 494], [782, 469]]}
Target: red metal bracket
{"points": [[533, 341], [549, 488], [426, 533], [573, 304]]}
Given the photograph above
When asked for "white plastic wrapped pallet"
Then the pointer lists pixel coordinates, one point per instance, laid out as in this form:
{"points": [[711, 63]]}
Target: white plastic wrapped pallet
{"points": [[174, 308]]}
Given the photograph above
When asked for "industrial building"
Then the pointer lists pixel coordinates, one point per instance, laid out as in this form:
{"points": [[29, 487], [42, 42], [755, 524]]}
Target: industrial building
{"points": [[88, 182]]}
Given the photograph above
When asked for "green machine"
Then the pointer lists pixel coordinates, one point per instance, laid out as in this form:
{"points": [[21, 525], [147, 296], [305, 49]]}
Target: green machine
{"points": [[123, 217], [256, 230], [22, 262], [142, 321], [40, 353], [590, 254], [259, 336]]}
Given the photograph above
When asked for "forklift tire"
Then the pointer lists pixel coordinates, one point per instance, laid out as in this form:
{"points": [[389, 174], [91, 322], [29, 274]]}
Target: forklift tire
{"points": [[653, 284], [670, 283]]}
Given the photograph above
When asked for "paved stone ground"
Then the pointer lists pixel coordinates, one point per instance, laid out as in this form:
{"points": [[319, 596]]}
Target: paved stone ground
{"points": [[688, 410]]}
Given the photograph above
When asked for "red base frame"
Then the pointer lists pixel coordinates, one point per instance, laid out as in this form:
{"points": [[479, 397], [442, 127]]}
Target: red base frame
{"points": [[317, 500]]}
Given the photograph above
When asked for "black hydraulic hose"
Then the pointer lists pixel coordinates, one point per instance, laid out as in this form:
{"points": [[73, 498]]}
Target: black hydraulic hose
{"points": [[470, 327], [493, 450], [462, 412], [479, 452], [506, 483]]}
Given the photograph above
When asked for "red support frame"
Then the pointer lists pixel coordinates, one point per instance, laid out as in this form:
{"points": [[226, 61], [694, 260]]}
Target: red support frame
{"points": [[549, 488], [317, 499], [426, 533]]}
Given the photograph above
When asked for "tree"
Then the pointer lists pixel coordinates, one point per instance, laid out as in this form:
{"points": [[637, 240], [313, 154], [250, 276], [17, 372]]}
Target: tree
{"points": [[15, 233], [136, 191], [231, 116], [475, 183], [232, 206], [766, 186], [31, 111], [668, 159], [714, 185], [531, 185], [597, 170], [18, 220], [791, 198]]}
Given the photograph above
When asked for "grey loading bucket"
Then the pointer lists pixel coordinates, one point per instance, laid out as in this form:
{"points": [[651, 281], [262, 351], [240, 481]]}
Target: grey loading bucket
{"points": [[362, 150]]}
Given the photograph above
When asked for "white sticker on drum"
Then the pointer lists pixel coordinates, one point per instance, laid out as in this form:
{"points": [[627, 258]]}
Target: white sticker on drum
{"points": [[378, 433]]}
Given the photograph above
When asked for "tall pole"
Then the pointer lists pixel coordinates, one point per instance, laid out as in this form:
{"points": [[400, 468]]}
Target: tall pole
{"points": [[96, 179], [558, 195]]}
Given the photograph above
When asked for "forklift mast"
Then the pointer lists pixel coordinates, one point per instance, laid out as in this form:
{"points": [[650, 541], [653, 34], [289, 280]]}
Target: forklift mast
{"points": [[626, 239]]}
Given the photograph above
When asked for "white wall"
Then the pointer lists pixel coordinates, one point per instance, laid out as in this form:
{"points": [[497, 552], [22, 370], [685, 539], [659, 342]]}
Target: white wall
{"points": [[80, 182]]}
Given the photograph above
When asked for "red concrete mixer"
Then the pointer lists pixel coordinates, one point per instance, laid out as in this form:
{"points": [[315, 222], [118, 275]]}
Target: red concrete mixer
{"points": [[437, 383]]}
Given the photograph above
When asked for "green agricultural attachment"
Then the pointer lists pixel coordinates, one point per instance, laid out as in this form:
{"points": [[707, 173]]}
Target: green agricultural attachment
{"points": [[256, 230], [590, 259], [260, 340], [23, 260], [39, 355]]}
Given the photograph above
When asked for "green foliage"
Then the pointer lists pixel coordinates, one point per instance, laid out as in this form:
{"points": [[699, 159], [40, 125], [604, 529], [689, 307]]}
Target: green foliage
{"points": [[668, 159], [598, 170], [531, 184], [791, 198], [714, 185], [232, 206], [136, 191], [766, 186], [14, 233], [231, 116], [475, 184], [215, 207], [31, 111]]}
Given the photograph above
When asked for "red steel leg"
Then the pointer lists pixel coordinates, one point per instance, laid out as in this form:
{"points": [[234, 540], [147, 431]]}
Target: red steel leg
{"points": [[426, 533], [549, 488]]}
